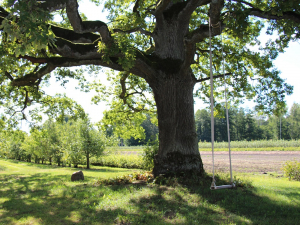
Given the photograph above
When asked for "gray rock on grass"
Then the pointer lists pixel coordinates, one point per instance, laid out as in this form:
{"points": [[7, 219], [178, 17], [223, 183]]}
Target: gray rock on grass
{"points": [[77, 176]]}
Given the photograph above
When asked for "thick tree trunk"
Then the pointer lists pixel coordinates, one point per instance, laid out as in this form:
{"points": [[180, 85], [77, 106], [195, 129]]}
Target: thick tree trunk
{"points": [[178, 146]]}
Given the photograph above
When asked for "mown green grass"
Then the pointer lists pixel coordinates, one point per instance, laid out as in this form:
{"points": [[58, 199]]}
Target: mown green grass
{"points": [[39, 194]]}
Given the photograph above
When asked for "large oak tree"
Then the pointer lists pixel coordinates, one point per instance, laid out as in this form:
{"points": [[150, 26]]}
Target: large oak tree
{"points": [[162, 46]]}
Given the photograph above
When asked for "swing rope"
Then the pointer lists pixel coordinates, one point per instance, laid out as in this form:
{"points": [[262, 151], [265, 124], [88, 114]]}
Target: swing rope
{"points": [[213, 185], [212, 106]]}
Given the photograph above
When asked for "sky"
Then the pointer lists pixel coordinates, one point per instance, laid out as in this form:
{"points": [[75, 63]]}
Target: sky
{"points": [[288, 63]]}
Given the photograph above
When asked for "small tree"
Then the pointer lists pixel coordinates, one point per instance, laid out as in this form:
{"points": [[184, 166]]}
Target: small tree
{"points": [[71, 143], [54, 146], [79, 140], [32, 146], [10, 145], [93, 141]]}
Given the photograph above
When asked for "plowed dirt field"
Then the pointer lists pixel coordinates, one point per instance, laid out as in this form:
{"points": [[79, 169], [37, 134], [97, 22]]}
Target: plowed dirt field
{"points": [[249, 161]]}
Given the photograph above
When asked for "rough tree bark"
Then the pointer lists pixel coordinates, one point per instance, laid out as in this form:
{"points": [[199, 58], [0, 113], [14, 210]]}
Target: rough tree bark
{"points": [[178, 146]]}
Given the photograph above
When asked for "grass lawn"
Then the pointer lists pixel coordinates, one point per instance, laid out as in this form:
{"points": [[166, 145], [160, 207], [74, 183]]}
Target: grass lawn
{"points": [[40, 194]]}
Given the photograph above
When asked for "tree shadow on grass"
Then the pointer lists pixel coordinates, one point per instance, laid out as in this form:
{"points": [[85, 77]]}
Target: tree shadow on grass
{"points": [[49, 199], [170, 207], [200, 205], [254, 207], [32, 196]]}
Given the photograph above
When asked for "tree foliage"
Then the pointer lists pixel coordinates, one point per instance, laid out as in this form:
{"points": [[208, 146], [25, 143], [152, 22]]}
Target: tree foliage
{"points": [[36, 44]]}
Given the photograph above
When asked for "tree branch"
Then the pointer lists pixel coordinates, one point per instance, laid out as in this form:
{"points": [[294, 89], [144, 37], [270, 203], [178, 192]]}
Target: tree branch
{"points": [[123, 85], [53, 5], [161, 6], [76, 51], [27, 100], [68, 34], [34, 78], [201, 50], [202, 33], [31, 78], [136, 6], [269, 15], [3, 12], [246, 3], [78, 47], [214, 77], [133, 30], [123, 94], [78, 25], [73, 36], [215, 9], [87, 26], [34, 59], [8, 75], [191, 6]]}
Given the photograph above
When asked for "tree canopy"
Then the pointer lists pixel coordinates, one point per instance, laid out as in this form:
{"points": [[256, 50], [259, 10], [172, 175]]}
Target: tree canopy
{"points": [[36, 44], [157, 46]]}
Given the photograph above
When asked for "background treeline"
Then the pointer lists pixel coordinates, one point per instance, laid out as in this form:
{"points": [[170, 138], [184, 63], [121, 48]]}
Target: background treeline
{"points": [[245, 125], [74, 142], [71, 142]]}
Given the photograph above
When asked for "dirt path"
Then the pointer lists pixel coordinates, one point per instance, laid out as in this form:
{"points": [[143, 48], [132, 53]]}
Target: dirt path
{"points": [[249, 161]]}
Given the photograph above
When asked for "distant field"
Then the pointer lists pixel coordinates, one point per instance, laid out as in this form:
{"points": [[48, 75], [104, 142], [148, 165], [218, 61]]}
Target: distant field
{"points": [[264, 145]]}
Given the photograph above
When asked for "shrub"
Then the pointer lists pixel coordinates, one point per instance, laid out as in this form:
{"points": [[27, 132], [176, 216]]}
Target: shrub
{"points": [[148, 155], [120, 161], [291, 170], [144, 161], [147, 177]]}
